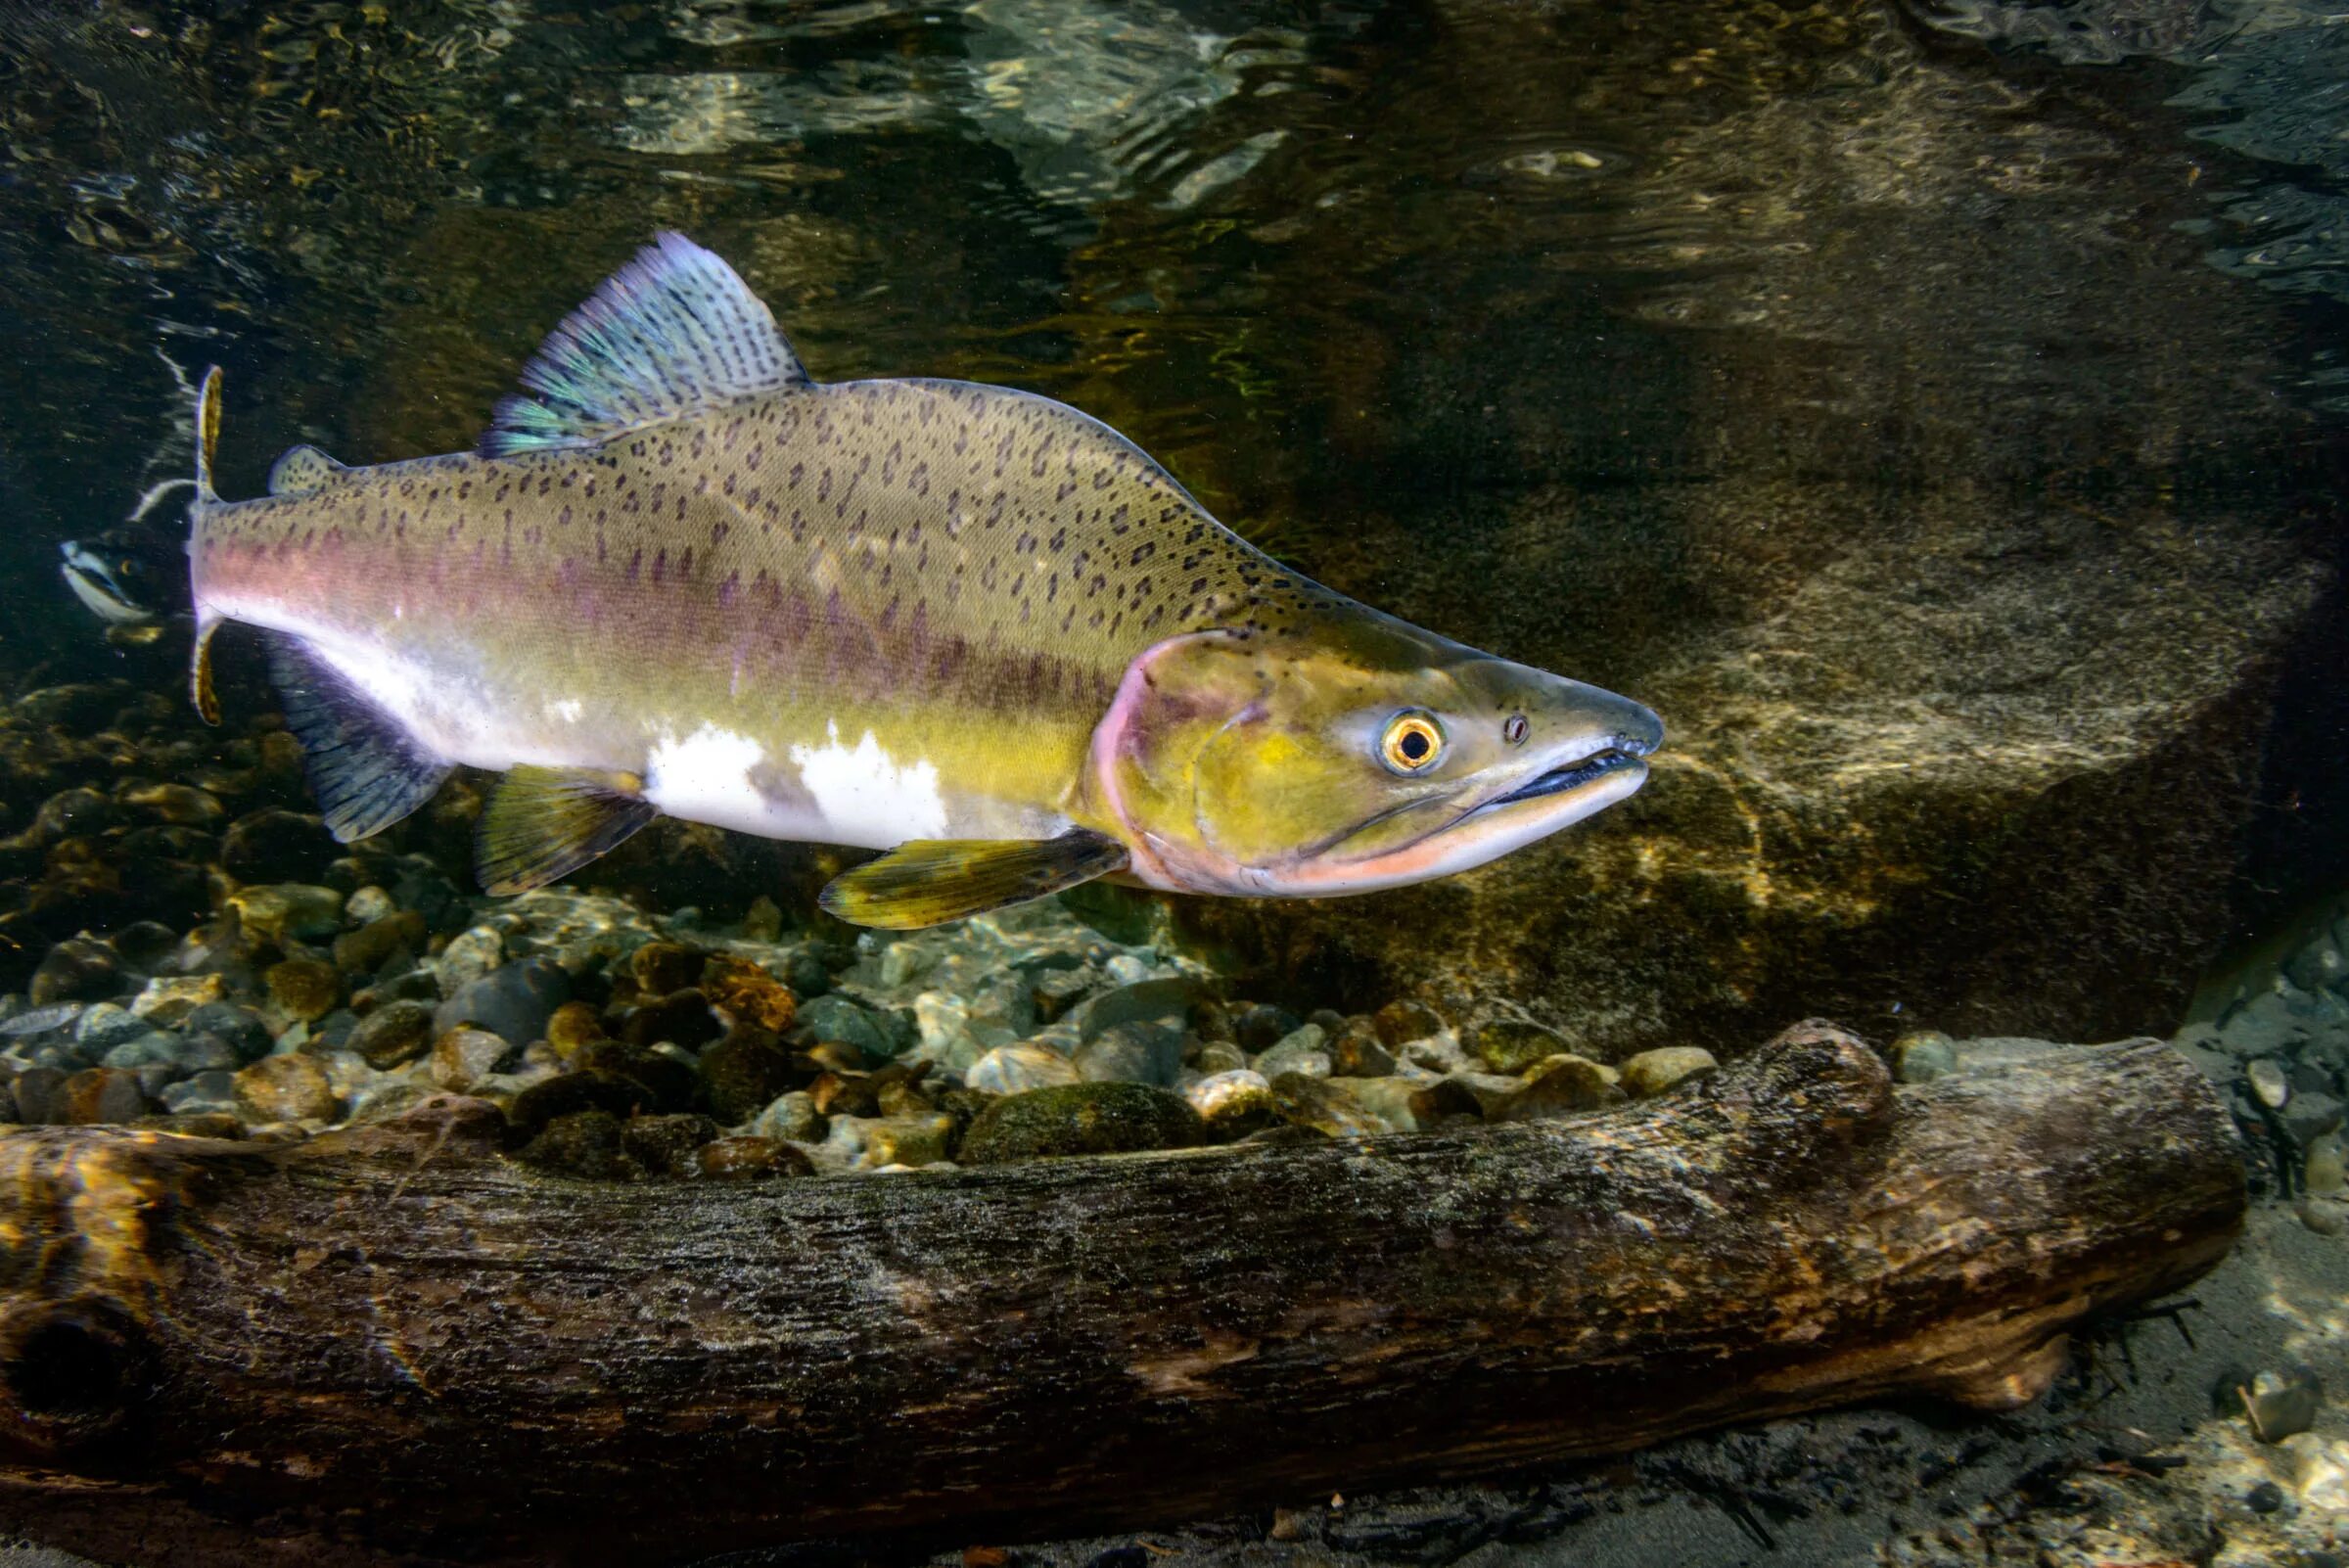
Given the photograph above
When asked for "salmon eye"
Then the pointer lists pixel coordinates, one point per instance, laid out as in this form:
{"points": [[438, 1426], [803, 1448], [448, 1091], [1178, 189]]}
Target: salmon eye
{"points": [[1514, 731], [1413, 742]]}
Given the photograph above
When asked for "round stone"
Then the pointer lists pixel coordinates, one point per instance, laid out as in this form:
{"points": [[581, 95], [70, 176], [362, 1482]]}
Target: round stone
{"points": [[1923, 1056], [1081, 1118], [287, 1088], [1654, 1072], [2267, 1083]]}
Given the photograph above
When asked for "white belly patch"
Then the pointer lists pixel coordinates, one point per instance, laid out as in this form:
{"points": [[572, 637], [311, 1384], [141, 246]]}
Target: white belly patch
{"points": [[869, 798]]}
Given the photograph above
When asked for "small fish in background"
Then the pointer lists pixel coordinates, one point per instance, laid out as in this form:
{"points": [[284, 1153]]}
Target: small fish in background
{"points": [[963, 624], [40, 1020]]}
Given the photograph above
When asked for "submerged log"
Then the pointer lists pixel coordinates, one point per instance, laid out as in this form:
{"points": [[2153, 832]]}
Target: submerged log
{"points": [[390, 1342]]}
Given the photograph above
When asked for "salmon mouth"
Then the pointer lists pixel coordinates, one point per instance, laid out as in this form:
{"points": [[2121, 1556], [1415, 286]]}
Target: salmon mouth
{"points": [[1626, 751]]}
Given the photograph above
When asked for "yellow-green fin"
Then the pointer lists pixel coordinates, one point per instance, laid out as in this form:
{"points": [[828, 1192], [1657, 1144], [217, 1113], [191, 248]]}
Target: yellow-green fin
{"points": [[299, 470], [545, 823], [931, 881]]}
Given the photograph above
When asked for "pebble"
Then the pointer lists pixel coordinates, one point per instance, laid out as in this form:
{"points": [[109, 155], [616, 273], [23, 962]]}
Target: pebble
{"points": [[103, 1026], [665, 1144], [1565, 1084], [469, 957], [463, 1058], [2322, 1173], [281, 912], [40, 1094], [2321, 1473], [900, 963], [749, 992], [103, 1094], [743, 1073], [2268, 1083], [215, 1089], [244, 1036], [368, 904], [1081, 1118], [304, 989], [1260, 1027], [166, 1000], [572, 1026], [1320, 1104], [1234, 1101], [1923, 1056], [1141, 1053], [582, 1143], [2281, 1404], [1298, 1051], [1355, 1051], [836, 1019], [1654, 1072], [913, 1140], [287, 1088], [387, 940], [2326, 1217], [515, 1000], [394, 1033], [2308, 1117], [747, 1159], [1017, 1068], [792, 1116], [1514, 1044], [1220, 1056], [77, 969], [276, 846], [150, 1048], [1399, 1023]]}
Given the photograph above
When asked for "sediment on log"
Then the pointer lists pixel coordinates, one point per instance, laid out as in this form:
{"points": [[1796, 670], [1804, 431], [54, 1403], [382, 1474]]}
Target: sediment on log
{"points": [[390, 1342]]}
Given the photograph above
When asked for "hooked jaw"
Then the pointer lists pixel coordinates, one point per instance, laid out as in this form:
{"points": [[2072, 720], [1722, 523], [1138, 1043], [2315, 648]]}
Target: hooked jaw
{"points": [[1599, 761]]}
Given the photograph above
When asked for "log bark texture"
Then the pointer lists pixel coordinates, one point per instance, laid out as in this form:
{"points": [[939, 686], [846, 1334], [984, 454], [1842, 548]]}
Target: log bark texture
{"points": [[392, 1344]]}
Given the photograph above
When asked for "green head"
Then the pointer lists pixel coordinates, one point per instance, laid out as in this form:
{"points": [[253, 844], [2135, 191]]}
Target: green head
{"points": [[1355, 751]]}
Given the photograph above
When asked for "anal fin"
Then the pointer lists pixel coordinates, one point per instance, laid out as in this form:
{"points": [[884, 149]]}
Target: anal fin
{"points": [[930, 881], [545, 823], [365, 768]]}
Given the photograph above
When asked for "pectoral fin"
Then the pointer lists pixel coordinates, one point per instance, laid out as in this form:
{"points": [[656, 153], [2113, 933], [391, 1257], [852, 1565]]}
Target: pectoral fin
{"points": [[545, 823], [931, 881]]}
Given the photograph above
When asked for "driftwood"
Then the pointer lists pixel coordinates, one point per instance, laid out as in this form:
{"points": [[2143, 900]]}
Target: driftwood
{"points": [[391, 1344]]}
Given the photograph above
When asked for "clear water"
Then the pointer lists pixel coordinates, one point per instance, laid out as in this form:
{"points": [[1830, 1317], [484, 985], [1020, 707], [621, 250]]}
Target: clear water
{"points": [[1934, 410]]}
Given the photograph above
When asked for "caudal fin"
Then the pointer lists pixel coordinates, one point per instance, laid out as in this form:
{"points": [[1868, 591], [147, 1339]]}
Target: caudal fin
{"points": [[207, 437]]}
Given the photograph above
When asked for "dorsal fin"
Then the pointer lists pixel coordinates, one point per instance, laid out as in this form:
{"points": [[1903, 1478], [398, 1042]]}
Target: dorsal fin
{"points": [[299, 470], [671, 333]]}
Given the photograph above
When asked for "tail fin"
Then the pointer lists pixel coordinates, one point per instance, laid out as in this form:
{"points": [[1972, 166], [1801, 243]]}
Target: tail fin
{"points": [[207, 437]]}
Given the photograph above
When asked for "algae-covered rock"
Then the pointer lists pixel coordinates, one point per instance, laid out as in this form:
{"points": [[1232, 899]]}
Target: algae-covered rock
{"points": [[749, 992], [745, 1157], [583, 1143], [1654, 1072], [394, 1033], [1105, 1118], [304, 988], [665, 1144], [288, 1088], [743, 1071]]}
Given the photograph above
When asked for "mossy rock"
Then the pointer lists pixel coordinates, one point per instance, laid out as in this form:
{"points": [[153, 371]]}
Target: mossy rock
{"points": [[1081, 1119]]}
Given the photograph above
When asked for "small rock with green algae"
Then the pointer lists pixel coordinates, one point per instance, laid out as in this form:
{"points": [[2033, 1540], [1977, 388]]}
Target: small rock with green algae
{"points": [[583, 1143], [375, 944], [683, 1018], [304, 988], [1318, 1104], [1081, 1118], [1233, 1102], [745, 1157], [282, 911], [909, 1140], [567, 1093], [1565, 1084], [1398, 1023], [463, 1058], [1513, 1044], [1298, 1051], [1923, 1056], [394, 1033], [167, 1000], [748, 992], [665, 1144], [288, 1088], [792, 1116], [743, 1073], [1654, 1072], [660, 967], [1355, 1051], [572, 1026]]}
